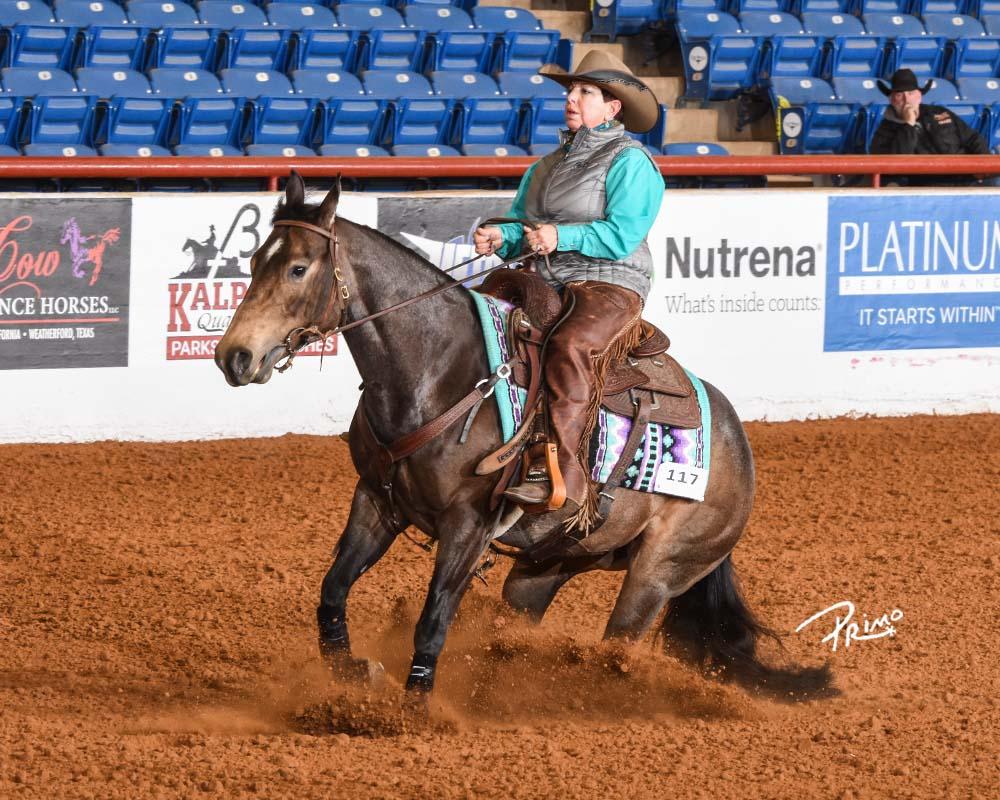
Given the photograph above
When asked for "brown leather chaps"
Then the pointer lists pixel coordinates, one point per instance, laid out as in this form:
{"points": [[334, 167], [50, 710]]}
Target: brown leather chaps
{"points": [[601, 328]]}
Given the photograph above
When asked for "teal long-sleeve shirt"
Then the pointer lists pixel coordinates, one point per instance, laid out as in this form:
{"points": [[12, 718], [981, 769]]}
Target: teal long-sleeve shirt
{"points": [[634, 191]]}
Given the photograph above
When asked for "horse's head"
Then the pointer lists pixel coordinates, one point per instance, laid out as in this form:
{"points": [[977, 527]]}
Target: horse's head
{"points": [[293, 286]]}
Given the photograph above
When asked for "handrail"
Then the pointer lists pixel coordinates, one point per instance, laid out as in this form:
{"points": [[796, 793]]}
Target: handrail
{"points": [[508, 167]]}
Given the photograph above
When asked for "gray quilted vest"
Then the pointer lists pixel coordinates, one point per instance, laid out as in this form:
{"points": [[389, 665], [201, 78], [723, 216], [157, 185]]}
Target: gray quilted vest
{"points": [[568, 188]]}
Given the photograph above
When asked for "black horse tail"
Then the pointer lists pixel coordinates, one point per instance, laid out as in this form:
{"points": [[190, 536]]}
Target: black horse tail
{"points": [[710, 627]]}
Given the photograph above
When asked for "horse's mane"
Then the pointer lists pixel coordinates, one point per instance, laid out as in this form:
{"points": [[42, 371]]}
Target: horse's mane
{"points": [[309, 212]]}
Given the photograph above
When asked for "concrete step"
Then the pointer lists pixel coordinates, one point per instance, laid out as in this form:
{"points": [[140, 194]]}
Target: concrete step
{"points": [[571, 24], [555, 5], [751, 148], [666, 89], [692, 125], [507, 3]]}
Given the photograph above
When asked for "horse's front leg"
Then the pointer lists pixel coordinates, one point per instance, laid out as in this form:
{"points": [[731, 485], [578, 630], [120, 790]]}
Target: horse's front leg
{"points": [[363, 542], [461, 544]]}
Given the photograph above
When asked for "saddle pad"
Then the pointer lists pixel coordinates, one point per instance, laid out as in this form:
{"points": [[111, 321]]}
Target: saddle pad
{"points": [[671, 461]]}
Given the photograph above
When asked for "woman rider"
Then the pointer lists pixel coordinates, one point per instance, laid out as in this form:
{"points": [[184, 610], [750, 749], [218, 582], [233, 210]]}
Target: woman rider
{"points": [[595, 198]]}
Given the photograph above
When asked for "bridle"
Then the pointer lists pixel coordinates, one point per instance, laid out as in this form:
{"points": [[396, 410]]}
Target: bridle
{"points": [[298, 338]]}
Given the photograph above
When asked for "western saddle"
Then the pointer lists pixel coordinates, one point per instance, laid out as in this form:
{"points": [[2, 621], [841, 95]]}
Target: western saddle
{"points": [[647, 386]]}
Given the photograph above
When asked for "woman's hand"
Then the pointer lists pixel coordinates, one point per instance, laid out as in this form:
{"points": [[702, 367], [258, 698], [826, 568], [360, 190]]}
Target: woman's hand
{"points": [[542, 241], [487, 240]]}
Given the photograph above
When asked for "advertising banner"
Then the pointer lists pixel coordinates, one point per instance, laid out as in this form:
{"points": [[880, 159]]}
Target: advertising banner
{"points": [[924, 273], [64, 283]]}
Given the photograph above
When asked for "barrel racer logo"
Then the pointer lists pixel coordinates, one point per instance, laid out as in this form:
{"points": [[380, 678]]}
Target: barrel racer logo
{"points": [[64, 283], [214, 278]]}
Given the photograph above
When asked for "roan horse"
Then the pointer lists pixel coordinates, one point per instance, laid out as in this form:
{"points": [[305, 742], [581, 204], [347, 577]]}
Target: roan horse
{"points": [[416, 363]]}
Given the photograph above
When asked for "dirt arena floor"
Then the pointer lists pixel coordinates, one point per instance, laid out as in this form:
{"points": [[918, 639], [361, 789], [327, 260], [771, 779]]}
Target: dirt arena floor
{"points": [[157, 640]]}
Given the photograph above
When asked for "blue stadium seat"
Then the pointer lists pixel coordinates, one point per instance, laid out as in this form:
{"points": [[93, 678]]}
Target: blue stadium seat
{"points": [[40, 46], [326, 83], [208, 122], [396, 48], [27, 82], [59, 150], [830, 25], [416, 114], [720, 61], [135, 121], [527, 50], [133, 151], [891, 7], [300, 16], [323, 49], [423, 150], [950, 7], [865, 95], [60, 120], [252, 83], [492, 150], [483, 115], [368, 18], [161, 14], [893, 26], [228, 15], [613, 17], [828, 7], [922, 54], [184, 48], [278, 150], [811, 119], [348, 116], [791, 57], [108, 82], [454, 42], [698, 6], [6, 151], [953, 26], [774, 23], [544, 102], [694, 149], [83, 13], [945, 93], [982, 91], [25, 12], [352, 151], [171, 82], [207, 150], [741, 7], [256, 48], [283, 121], [856, 56], [10, 114], [652, 139], [121, 46]]}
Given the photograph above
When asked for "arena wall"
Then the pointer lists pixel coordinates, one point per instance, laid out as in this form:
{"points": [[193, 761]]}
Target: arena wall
{"points": [[795, 303]]}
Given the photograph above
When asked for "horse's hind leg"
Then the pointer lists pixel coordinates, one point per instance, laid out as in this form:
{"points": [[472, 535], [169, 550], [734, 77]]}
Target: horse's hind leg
{"points": [[531, 588], [363, 542]]}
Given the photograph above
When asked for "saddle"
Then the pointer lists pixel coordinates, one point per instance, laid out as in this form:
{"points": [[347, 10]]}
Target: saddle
{"points": [[647, 385]]}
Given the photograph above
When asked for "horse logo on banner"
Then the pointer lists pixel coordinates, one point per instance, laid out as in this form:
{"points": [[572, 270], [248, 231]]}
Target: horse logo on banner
{"points": [[81, 253]]}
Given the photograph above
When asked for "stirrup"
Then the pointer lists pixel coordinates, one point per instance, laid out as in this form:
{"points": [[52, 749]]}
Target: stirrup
{"points": [[541, 467]]}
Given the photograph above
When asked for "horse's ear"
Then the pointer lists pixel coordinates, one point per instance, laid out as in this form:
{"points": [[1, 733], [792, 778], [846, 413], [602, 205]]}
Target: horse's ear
{"points": [[295, 190], [328, 210]]}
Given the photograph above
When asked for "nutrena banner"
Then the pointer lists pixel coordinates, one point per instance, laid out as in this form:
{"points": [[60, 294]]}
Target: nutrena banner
{"points": [[923, 272], [64, 282]]}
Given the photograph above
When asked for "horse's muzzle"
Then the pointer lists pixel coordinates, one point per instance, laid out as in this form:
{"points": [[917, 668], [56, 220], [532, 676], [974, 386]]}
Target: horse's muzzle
{"points": [[237, 365]]}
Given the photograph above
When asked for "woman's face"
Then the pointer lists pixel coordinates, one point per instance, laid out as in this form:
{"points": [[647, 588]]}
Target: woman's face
{"points": [[585, 106]]}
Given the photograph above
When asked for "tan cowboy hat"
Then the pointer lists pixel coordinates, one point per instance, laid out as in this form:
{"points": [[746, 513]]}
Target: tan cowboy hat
{"points": [[641, 109]]}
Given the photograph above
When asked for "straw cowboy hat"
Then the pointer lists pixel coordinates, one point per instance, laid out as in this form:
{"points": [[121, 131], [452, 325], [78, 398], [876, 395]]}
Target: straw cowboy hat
{"points": [[639, 104], [903, 80]]}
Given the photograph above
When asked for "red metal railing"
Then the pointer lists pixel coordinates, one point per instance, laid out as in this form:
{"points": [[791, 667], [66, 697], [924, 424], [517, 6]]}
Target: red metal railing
{"points": [[399, 167]]}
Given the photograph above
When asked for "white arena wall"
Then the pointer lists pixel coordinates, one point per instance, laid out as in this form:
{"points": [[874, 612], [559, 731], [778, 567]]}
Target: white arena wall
{"points": [[797, 304]]}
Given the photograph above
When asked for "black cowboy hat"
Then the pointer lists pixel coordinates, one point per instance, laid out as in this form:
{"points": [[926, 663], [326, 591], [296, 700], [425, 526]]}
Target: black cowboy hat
{"points": [[903, 80]]}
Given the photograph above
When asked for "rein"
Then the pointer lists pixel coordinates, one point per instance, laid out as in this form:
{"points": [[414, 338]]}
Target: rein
{"points": [[298, 338]]}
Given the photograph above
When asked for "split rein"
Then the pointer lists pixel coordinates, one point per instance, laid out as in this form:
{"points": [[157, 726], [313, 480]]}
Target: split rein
{"points": [[298, 338]]}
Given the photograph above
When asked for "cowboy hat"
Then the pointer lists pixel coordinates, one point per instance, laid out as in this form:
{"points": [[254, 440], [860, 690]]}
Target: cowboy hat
{"points": [[640, 107], [903, 80]]}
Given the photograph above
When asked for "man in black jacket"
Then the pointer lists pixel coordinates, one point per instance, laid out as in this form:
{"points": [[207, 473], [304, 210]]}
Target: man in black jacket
{"points": [[912, 128]]}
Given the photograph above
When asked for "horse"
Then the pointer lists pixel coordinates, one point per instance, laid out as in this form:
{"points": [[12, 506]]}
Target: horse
{"points": [[318, 271], [80, 254]]}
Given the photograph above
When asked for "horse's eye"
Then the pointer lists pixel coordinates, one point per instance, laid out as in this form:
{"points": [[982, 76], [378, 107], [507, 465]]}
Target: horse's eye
{"points": [[298, 271]]}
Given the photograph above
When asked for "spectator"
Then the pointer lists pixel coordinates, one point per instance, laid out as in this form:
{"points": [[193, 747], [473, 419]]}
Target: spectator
{"points": [[911, 127]]}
